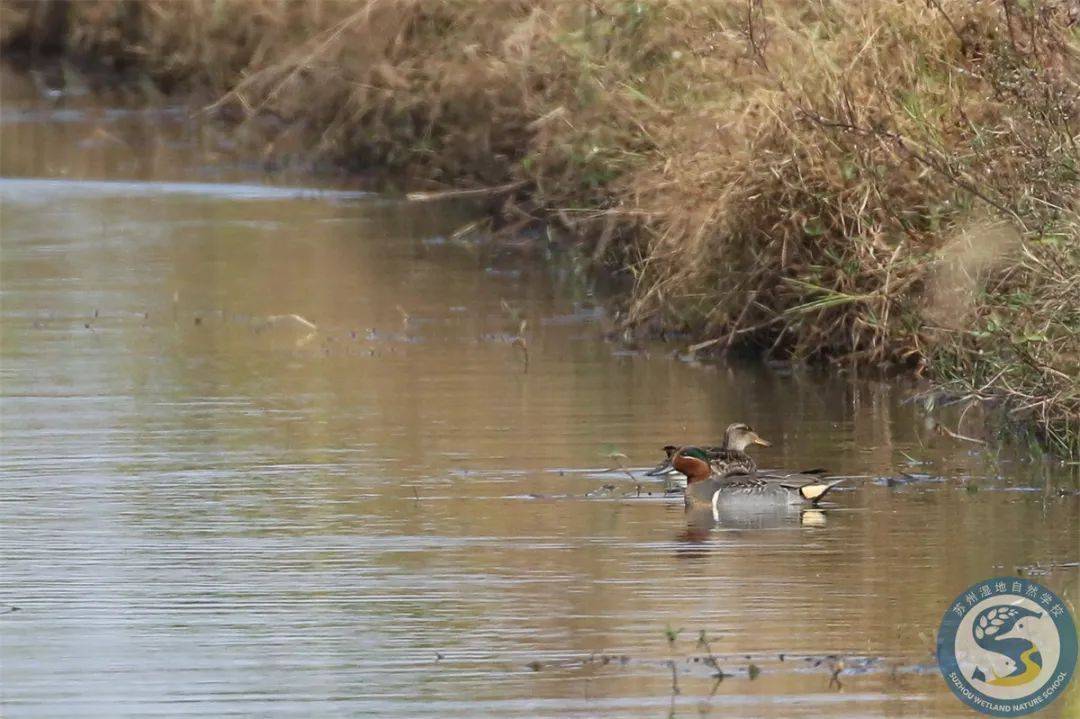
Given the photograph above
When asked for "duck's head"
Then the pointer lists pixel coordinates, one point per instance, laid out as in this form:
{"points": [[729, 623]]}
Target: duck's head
{"points": [[739, 436], [693, 462]]}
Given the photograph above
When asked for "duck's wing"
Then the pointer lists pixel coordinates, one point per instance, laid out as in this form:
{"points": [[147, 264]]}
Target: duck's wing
{"points": [[740, 480], [809, 486], [792, 479], [781, 474], [731, 463]]}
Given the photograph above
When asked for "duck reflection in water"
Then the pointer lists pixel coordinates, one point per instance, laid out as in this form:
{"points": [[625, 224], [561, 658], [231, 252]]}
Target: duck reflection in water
{"points": [[702, 521]]}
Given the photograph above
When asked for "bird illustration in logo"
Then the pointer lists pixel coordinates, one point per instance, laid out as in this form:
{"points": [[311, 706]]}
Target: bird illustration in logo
{"points": [[1003, 631]]}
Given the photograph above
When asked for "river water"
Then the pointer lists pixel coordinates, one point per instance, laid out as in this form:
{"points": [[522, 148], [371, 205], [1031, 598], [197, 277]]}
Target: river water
{"points": [[386, 506]]}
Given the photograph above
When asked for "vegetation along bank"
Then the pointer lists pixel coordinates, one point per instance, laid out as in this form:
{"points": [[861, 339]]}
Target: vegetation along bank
{"points": [[887, 183]]}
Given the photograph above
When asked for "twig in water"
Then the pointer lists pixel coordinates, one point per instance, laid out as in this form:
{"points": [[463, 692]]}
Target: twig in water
{"points": [[522, 343], [729, 337], [954, 435], [911, 460], [460, 194], [703, 642], [620, 467], [836, 666], [295, 318], [674, 677]]}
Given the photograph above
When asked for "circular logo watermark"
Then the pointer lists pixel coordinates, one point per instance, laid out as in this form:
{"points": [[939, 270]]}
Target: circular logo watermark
{"points": [[1007, 646]]}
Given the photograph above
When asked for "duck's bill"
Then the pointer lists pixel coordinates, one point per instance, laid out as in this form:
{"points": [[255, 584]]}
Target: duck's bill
{"points": [[661, 469], [762, 442]]}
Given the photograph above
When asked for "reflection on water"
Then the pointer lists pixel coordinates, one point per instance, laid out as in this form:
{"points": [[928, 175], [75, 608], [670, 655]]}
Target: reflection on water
{"points": [[213, 508]]}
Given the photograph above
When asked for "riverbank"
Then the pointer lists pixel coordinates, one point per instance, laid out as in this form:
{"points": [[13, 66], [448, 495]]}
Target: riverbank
{"points": [[890, 184]]}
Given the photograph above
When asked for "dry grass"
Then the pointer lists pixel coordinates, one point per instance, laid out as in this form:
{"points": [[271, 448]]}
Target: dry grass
{"points": [[893, 183]]}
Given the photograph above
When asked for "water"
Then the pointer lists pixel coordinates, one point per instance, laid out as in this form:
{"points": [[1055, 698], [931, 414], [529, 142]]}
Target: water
{"points": [[210, 508]]}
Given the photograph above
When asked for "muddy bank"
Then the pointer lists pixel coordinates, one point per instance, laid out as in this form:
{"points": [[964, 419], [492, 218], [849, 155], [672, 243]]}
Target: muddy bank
{"points": [[890, 184]]}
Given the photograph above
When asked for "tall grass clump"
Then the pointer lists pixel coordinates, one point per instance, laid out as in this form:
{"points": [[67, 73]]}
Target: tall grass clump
{"points": [[877, 182]]}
